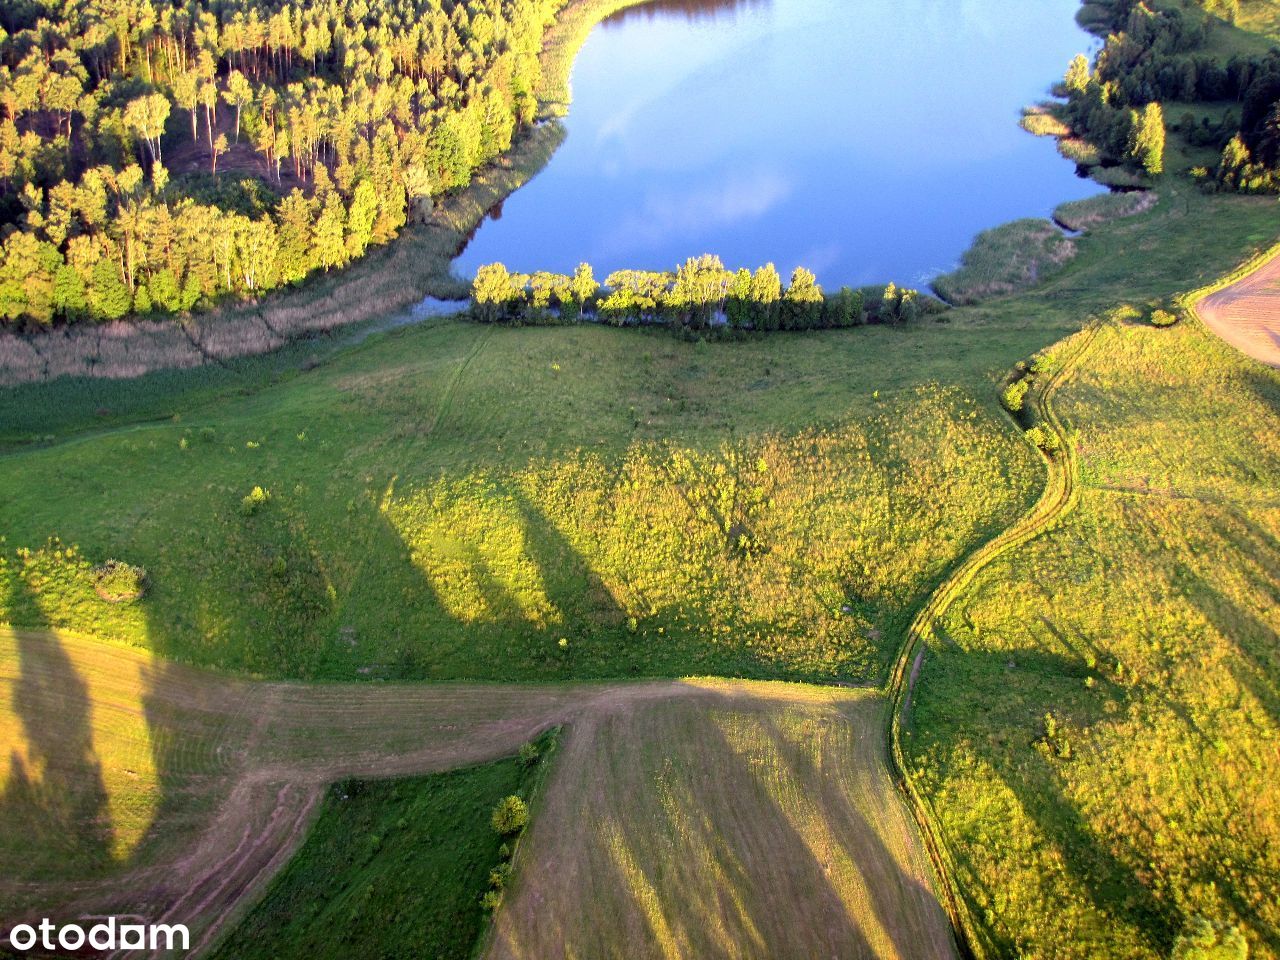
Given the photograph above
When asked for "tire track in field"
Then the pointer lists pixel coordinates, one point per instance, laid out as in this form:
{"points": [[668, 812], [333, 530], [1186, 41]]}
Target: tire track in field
{"points": [[1060, 495]]}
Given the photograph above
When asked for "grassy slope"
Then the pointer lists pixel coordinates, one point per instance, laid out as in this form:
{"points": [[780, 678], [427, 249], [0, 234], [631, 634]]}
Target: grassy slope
{"points": [[750, 820], [1147, 625], [418, 528], [392, 868]]}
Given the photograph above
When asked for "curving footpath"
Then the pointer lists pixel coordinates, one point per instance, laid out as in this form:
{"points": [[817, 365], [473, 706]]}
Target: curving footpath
{"points": [[1059, 498]]}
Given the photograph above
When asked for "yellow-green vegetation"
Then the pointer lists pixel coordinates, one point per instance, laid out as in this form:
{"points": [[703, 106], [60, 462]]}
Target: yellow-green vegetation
{"points": [[1095, 730], [740, 820], [134, 786], [1006, 259], [393, 868], [774, 508]]}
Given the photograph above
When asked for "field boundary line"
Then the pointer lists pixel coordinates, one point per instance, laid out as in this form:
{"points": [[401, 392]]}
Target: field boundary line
{"points": [[1190, 303], [1059, 497]]}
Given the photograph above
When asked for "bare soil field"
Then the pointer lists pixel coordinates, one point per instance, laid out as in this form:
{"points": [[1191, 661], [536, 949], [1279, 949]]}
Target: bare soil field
{"points": [[1247, 313], [135, 787]]}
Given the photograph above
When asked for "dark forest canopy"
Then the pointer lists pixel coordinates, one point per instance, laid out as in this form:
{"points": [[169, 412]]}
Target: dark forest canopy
{"points": [[156, 156]]}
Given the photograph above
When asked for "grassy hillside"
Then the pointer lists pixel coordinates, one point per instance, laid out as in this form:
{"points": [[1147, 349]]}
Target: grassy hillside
{"points": [[1096, 726], [454, 501], [751, 820]]}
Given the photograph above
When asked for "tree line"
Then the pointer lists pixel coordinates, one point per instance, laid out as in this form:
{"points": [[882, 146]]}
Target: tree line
{"points": [[156, 156], [700, 295], [1151, 57]]}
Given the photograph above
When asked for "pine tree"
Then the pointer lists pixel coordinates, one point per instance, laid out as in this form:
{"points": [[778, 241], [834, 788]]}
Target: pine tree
{"points": [[109, 298]]}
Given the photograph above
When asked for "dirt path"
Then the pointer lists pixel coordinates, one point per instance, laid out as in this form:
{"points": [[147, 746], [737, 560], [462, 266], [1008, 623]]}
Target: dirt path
{"points": [[1247, 313], [1059, 498], [206, 785]]}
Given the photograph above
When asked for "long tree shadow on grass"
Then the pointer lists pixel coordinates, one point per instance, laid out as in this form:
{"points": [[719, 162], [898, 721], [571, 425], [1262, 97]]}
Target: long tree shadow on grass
{"points": [[54, 815], [993, 702], [712, 850]]}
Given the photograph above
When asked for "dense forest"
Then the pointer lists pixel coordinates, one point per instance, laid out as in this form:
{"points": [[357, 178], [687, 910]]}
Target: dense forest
{"points": [[156, 156], [700, 295], [1151, 58]]}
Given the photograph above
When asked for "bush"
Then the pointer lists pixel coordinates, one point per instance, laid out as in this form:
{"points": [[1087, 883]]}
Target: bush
{"points": [[118, 582], [510, 815], [256, 499], [1204, 940], [529, 754], [1163, 318], [1014, 395], [1044, 438]]}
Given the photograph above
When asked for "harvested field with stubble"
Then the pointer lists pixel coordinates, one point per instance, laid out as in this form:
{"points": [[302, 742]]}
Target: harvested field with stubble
{"points": [[1247, 313], [739, 820], [137, 787]]}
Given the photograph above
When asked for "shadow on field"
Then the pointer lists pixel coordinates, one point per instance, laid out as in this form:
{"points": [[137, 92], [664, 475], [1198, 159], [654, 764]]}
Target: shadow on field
{"points": [[723, 824], [53, 804], [994, 702]]}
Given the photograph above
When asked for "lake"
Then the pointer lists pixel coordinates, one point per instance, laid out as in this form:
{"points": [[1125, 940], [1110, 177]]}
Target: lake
{"points": [[869, 141]]}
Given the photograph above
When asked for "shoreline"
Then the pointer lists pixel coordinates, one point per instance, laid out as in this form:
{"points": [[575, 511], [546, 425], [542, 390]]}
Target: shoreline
{"points": [[388, 280]]}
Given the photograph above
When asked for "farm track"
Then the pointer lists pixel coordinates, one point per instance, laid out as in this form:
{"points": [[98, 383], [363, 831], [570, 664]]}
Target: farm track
{"points": [[216, 780], [228, 773], [1057, 500], [1244, 309]]}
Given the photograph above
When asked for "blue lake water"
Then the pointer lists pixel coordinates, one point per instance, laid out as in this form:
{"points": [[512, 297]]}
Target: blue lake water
{"points": [[869, 140]]}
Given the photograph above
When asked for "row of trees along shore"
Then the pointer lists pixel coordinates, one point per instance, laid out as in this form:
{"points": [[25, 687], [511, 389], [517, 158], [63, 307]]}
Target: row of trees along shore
{"points": [[156, 156], [700, 294], [1152, 57]]}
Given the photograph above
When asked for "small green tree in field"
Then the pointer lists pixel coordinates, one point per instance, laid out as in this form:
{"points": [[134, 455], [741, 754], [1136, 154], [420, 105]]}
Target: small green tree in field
{"points": [[510, 815], [1044, 438], [1163, 318], [1202, 939], [491, 292], [1014, 396]]}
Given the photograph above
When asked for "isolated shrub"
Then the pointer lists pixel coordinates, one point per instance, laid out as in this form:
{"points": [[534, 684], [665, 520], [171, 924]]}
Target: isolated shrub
{"points": [[529, 754], [1202, 939], [1014, 396], [490, 899], [1040, 364], [510, 815], [118, 582], [255, 500], [1163, 318], [1044, 438]]}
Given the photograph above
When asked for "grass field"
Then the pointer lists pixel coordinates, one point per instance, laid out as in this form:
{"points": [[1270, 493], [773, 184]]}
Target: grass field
{"points": [[773, 508], [1097, 723], [392, 868]]}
